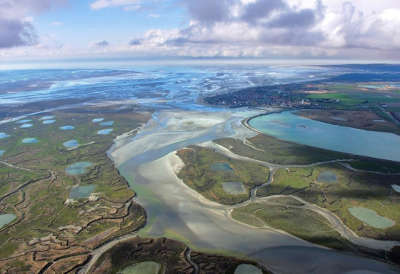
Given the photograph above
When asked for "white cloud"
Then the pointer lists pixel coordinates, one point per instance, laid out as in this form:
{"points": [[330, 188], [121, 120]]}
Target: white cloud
{"points": [[127, 4]]}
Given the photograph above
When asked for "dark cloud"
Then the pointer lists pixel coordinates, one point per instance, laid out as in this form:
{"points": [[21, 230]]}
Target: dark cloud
{"points": [[15, 33], [292, 37], [14, 30], [135, 42], [296, 19], [102, 44], [261, 9], [209, 11]]}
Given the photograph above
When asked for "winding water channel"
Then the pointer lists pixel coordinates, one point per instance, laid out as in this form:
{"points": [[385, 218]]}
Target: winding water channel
{"points": [[149, 163]]}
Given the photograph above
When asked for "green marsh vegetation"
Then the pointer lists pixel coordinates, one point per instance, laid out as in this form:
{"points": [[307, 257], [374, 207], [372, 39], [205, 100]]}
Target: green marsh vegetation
{"points": [[201, 174], [362, 190], [36, 188]]}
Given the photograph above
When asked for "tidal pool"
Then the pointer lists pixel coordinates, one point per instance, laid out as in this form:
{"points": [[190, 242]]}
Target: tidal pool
{"points": [[396, 188], [221, 167], [79, 168], [285, 126], [6, 219], [4, 135], [97, 120], [48, 122], [234, 188], [24, 121], [107, 124], [71, 144], [327, 177], [371, 218], [81, 192], [247, 269], [67, 127], [105, 131], [49, 117], [143, 268], [30, 141], [26, 126]]}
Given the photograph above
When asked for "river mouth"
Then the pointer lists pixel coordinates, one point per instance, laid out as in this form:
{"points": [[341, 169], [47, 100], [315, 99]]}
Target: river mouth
{"points": [[290, 127], [149, 163]]}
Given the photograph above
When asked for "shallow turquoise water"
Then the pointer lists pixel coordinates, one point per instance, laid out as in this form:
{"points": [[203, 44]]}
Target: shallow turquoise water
{"points": [[290, 127], [30, 141], [221, 167], [6, 219], [107, 124], [234, 188], [4, 135], [67, 127], [396, 188], [81, 192], [49, 117], [247, 269], [105, 131], [71, 143], [371, 218], [24, 121], [79, 168], [48, 122], [26, 126], [97, 120]]}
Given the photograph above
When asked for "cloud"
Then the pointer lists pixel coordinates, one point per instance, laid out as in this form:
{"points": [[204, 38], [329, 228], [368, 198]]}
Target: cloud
{"points": [[15, 33], [16, 28], [260, 9], [127, 4], [102, 44], [135, 42], [209, 11]]}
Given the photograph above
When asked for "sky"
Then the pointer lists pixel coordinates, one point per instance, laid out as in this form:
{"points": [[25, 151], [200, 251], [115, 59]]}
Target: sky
{"points": [[272, 29]]}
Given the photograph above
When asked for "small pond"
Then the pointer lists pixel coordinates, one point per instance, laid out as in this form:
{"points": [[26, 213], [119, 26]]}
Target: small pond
{"points": [[30, 141], [6, 219], [371, 218], [234, 188], [48, 122], [98, 120], [81, 192], [396, 188], [23, 121], [26, 126], [105, 131], [247, 269], [67, 127], [143, 268], [4, 135], [48, 117], [107, 124], [71, 144], [327, 177], [79, 168], [221, 167]]}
